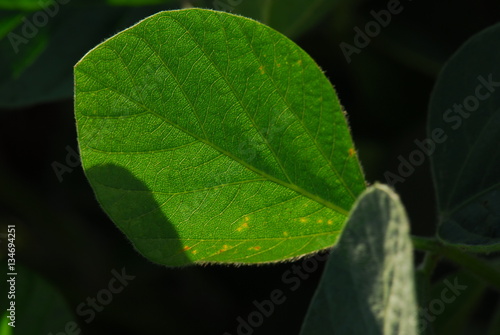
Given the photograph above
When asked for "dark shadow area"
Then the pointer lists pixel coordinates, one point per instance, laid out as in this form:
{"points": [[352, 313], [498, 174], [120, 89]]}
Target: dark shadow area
{"points": [[131, 206]]}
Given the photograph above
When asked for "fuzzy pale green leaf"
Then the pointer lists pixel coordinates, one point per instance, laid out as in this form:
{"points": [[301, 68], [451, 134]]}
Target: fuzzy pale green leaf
{"points": [[368, 286]]}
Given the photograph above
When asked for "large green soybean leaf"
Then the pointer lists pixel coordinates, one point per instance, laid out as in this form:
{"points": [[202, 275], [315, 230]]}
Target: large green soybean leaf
{"points": [[465, 109], [209, 137], [367, 287]]}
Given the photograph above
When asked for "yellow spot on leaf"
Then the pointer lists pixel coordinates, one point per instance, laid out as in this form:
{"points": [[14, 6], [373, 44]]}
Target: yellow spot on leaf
{"points": [[352, 152], [243, 226], [303, 220], [330, 222], [285, 233], [225, 247], [320, 221], [299, 62], [261, 68], [247, 218], [186, 248], [256, 248], [194, 252]]}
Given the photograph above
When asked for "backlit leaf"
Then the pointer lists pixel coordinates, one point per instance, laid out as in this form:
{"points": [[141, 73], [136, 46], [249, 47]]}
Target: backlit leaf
{"points": [[209, 137]]}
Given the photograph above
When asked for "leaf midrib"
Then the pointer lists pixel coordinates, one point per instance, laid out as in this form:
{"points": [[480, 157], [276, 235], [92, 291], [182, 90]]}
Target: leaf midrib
{"points": [[201, 48], [268, 177], [288, 185]]}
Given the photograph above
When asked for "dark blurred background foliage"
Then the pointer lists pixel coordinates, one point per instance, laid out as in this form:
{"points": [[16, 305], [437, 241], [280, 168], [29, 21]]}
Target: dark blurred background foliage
{"points": [[63, 235]]}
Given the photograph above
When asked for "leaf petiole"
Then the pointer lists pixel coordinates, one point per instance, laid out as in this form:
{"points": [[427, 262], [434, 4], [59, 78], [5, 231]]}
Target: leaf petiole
{"points": [[470, 263]]}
